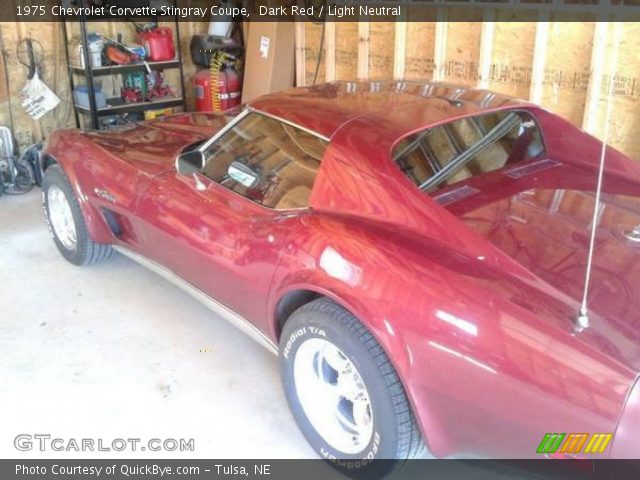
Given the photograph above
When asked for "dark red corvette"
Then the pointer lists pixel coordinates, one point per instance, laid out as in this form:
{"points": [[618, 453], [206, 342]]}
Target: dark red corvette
{"points": [[416, 254]]}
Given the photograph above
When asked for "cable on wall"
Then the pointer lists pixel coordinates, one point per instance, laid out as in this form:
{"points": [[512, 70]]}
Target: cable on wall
{"points": [[320, 19], [4, 54]]}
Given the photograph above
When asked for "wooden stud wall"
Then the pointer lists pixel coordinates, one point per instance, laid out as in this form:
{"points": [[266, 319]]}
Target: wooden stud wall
{"points": [[312, 38], [567, 71], [562, 65], [346, 50], [511, 67], [462, 48], [381, 50], [4, 92], [54, 71], [625, 118]]}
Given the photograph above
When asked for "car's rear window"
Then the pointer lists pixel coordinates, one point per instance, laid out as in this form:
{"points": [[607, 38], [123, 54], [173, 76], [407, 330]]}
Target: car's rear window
{"points": [[465, 148]]}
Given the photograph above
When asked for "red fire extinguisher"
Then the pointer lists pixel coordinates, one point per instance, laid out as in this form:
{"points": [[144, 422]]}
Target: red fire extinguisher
{"points": [[216, 90], [202, 87], [229, 89]]}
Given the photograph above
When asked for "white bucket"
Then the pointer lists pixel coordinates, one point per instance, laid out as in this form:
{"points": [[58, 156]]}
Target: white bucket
{"points": [[220, 29], [95, 54]]}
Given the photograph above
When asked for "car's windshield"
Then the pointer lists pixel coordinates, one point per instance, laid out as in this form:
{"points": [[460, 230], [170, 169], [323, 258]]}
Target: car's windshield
{"points": [[465, 148]]}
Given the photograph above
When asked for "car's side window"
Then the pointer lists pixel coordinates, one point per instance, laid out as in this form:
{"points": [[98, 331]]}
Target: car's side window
{"points": [[458, 150], [267, 161]]}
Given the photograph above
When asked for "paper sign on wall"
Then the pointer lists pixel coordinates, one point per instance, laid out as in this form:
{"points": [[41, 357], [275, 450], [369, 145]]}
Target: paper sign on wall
{"points": [[37, 98], [264, 46]]}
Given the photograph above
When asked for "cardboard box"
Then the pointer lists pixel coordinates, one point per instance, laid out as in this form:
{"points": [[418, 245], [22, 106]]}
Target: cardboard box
{"points": [[270, 59]]}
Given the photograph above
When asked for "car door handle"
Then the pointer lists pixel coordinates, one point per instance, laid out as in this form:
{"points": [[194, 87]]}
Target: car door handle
{"points": [[281, 217]]}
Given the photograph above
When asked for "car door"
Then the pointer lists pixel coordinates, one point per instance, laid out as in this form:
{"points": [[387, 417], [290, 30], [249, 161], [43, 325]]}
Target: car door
{"points": [[223, 228]]}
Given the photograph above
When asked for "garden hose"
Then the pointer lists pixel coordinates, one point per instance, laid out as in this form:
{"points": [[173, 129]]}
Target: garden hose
{"points": [[214, 67]]}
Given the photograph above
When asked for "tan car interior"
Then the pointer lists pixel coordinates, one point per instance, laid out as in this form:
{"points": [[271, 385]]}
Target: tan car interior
{"points": [[425, 153], [286, 158]]}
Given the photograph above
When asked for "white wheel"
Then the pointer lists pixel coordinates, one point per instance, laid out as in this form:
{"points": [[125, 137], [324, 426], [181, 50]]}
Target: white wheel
{"points": [[61, 217], [344, 392], [66, 222], [333, 395]]}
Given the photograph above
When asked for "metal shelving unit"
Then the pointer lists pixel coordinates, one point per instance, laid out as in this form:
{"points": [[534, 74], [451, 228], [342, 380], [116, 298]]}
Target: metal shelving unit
{"points": [[132, 67], [115, 105]]}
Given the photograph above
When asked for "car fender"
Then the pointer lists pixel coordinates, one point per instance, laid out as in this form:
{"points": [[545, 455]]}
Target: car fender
{"points": [[393, 345], [67, 149], [325, 287]]}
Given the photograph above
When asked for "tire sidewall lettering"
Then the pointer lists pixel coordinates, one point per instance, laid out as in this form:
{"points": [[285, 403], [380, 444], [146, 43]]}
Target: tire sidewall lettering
{"points": [[45, 207], [358, 463], [300, 332]]}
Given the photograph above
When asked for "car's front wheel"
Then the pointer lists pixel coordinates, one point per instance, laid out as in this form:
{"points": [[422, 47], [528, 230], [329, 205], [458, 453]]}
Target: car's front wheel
{"points": [[343, 390], [65, 220]]}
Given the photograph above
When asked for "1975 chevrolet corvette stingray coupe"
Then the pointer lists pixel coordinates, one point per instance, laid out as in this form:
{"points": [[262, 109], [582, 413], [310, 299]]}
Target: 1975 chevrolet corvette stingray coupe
{"points": [[414, 253]]}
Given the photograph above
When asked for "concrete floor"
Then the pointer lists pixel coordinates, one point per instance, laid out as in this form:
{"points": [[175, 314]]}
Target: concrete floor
{"points": [[114, 351]]}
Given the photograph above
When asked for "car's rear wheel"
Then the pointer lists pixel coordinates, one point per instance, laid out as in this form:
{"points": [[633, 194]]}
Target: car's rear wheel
{"points": [[343, 390], [65, 221]]}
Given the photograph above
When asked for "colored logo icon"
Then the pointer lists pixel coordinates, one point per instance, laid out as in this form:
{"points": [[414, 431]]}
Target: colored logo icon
{"points": [[595, 443]]}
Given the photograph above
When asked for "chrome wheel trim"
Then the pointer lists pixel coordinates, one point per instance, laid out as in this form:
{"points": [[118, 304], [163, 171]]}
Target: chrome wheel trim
{"points": [[61, 217], [333, 395]]}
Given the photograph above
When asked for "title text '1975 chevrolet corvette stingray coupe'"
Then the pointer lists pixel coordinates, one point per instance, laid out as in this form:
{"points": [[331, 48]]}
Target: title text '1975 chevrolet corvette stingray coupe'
{"points": [[414, 253]]}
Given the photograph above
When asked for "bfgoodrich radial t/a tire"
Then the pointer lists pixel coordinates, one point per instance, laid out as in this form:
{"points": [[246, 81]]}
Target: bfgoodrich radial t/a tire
{"points": [[343, 390], [65, 220]]}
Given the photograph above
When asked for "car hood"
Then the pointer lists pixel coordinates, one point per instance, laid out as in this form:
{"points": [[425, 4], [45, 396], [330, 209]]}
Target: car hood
{"points": [[152, 146], [542, 221]]}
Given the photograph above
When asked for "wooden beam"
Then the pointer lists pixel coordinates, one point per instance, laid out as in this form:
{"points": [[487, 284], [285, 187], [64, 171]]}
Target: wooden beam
{"points": [[400, 47], [363, 50], [301, 69], [4, 84], [486, 48], [60, 81], [440, 47], [597, 70], [539, 57], [330, 51]]}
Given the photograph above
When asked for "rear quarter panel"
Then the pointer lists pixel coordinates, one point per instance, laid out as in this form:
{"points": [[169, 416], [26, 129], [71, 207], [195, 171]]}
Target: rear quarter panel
{"points": [[486, 370]]}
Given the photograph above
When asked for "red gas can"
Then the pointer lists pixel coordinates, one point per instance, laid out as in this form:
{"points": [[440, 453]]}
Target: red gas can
{"points": [[158, 44]]}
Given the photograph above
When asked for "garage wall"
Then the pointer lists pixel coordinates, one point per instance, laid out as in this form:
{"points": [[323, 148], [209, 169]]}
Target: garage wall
{"points": [[50, 37], [14, 76], [562, 65], [3, 85]]}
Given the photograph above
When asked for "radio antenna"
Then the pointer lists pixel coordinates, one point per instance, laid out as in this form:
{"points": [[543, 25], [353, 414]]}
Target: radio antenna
{"points": [[582, 320]]}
